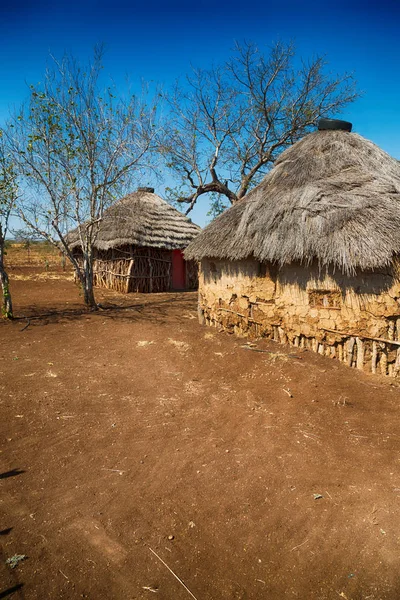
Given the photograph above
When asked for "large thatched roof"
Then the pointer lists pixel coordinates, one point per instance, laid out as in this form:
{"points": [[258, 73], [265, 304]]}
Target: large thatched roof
{"points": [[142, 219], [333, 197]]}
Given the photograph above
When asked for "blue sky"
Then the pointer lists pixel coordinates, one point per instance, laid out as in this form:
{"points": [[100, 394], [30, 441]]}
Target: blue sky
{"points": [[160, 40]]}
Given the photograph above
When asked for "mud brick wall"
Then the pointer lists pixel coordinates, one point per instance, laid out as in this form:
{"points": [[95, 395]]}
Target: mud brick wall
{"points": [[325, 311]]}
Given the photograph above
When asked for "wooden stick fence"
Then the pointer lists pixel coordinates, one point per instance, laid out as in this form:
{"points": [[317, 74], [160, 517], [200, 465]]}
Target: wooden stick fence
{"points": [[363, 352], [133, 269]]}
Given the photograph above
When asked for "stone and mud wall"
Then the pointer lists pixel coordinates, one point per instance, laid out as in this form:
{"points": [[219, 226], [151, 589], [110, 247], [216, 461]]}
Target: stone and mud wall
{"points": [[355, 319]]}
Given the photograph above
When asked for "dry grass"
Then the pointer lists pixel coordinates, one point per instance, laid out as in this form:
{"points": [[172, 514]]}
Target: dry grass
{"points": [[43, 276], [39, 254], [38, 262]]}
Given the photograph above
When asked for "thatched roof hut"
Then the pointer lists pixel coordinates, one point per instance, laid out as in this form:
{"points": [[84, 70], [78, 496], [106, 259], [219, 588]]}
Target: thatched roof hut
{"points": [[142, 219], [317, 242], [139, 244], [333, 197]]}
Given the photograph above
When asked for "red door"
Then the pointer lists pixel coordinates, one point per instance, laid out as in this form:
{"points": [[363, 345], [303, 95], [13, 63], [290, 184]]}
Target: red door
{"points": [[178, 270]]}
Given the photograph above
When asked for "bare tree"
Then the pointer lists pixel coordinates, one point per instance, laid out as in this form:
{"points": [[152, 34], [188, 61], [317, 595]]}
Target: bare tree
{"points": [[76, 146], [27, 237], [228, 124], [8, 198]]}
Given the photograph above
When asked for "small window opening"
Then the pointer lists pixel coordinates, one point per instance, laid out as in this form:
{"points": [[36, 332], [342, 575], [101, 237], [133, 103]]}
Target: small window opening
{"points": [[325, 299]]}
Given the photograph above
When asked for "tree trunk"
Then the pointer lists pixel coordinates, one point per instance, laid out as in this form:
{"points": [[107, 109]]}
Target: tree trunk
{"points": [[87, 283], [6, 309]]}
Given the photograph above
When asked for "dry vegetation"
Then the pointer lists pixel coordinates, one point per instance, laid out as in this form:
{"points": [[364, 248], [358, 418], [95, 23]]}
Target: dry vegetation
{"points": [[36, 261], [36, 254]]}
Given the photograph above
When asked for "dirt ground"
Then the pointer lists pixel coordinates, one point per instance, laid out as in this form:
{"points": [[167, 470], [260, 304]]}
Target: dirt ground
{"points": [[139, 448]]}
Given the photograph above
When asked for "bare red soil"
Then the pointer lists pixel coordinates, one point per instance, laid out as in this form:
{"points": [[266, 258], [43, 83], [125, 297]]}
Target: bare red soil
{"points": [[133, 431]]}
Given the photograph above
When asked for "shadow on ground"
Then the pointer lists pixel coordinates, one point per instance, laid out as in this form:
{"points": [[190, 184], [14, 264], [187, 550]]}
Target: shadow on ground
{"points": [[12, 473], [151, 310]]}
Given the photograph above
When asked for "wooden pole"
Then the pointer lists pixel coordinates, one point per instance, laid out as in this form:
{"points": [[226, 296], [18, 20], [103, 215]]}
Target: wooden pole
{"points": [[350, 347], [396, 368], [374, 356], [360, 354], [364, 337], [383, 362]]}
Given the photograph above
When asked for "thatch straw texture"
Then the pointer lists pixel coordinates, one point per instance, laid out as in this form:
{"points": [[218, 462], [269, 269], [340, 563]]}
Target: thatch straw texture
{"points": [[333, 197], [141, 219]]}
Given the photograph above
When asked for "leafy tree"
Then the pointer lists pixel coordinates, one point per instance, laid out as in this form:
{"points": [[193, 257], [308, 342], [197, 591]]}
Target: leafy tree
{"points": [[218, 204], [8, 198], [228, 124], [76, 146]]}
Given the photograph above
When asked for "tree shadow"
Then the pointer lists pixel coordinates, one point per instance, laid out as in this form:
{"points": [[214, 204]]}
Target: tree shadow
{"points": [[11, 590], [155, 310], [12, 473]]}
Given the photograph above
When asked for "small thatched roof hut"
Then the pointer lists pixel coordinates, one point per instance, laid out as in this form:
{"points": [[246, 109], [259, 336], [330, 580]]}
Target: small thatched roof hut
{"points": [[139, 244], [310, 255]]}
